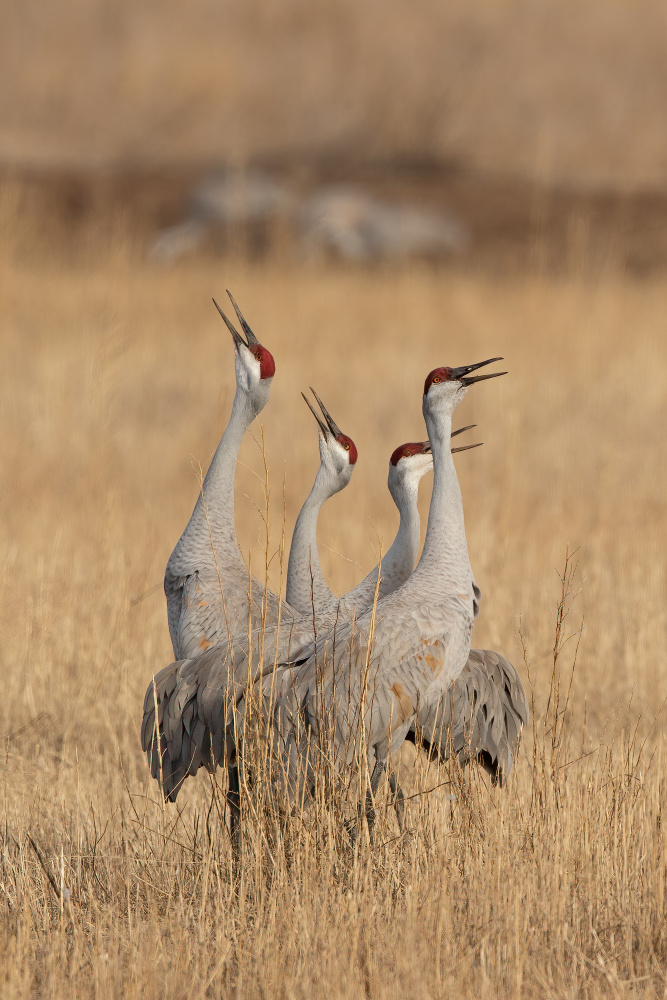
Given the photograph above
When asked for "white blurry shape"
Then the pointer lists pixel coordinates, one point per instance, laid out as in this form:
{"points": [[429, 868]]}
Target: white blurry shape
{"points": [[227, 198], [354, 225], [343, 221]]}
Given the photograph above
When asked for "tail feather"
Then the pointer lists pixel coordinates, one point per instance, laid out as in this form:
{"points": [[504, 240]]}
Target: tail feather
{"points": [[186, 738], [481, 716]]}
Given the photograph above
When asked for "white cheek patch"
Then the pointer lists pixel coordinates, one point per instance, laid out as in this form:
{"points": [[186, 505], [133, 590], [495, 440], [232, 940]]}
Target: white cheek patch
{"points": [[341, 455]]}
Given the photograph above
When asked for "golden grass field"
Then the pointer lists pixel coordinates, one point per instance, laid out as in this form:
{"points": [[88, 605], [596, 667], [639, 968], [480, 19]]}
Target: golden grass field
{"points": [[116, 383]]}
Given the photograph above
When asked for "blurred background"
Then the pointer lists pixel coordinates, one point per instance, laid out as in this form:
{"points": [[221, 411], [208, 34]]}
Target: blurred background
{"points": [[533, 129]]}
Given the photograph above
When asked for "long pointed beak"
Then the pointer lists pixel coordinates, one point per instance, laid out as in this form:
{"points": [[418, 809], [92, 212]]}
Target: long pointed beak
{"points": [[467, 447], [426, 445], [252, 339], [321, 425], [459, 374], [238, 339], [333, 426]]}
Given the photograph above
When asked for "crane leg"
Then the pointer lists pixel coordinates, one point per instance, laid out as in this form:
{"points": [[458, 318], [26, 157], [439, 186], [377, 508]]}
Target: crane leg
{"points": [[376, 777], [399, 800], [234, 800], [369, 809]]}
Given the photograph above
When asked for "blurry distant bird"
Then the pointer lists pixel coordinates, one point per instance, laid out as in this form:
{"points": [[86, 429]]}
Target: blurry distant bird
{"points": [[352, 224], [345, 222], [229, 198]]}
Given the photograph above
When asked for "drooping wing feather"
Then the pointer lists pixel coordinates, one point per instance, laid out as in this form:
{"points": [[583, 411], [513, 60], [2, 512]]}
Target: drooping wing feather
{"points": [[197, 701], [480, 717]]}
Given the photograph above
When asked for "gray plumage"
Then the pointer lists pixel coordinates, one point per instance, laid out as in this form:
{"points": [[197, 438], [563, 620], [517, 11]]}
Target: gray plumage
{"points": [[367, 684], [480, 717], [209, 591], [201, 701], [198, 715]]}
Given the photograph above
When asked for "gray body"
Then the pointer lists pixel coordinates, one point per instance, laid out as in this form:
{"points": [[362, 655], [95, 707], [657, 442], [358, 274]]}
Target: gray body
{"points": [[367, 685], [210, 594], [419, 648]]}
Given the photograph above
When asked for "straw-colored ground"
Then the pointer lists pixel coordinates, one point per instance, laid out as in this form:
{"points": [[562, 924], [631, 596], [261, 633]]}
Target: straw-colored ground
{"points": [[116, 383]]}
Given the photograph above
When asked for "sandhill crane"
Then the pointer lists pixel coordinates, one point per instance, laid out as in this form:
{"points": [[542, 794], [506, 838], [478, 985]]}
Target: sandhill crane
{"points": [[227, 199], [191, 691], [482, 715], [399, 659], [206, 580]]}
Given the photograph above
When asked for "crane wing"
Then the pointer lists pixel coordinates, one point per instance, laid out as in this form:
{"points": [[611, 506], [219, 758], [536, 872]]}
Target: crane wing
{"points": [[197, 699], [480, 716], [386, 679]]}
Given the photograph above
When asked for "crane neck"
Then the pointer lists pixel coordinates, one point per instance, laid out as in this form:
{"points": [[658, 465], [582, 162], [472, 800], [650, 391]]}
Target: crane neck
{"points": [[445, 546], [218, 488], [220, 475], [213, 516], [306, 585], [398, 561], [406, 542]]}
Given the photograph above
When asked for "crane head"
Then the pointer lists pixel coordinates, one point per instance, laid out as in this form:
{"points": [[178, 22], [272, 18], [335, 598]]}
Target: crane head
{"points": [[254, 364], [447, 386], [408, 451], [414, 460], [407, 465], [338, 452], [413, 449]]}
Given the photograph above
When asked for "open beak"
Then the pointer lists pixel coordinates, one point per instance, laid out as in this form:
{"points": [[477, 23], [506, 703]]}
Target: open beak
{"points": [[331, 424], [251, 339], [465, 447], [331, 427], [459, 374], [322, 426]]}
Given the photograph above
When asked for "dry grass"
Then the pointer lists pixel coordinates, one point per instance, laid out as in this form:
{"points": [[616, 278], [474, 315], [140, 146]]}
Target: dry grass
{"points": [[572, 92], [113, 378]]}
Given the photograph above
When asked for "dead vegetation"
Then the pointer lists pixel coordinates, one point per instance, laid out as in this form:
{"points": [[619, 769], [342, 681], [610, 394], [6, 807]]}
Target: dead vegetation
{"points": [[116, 382]]}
